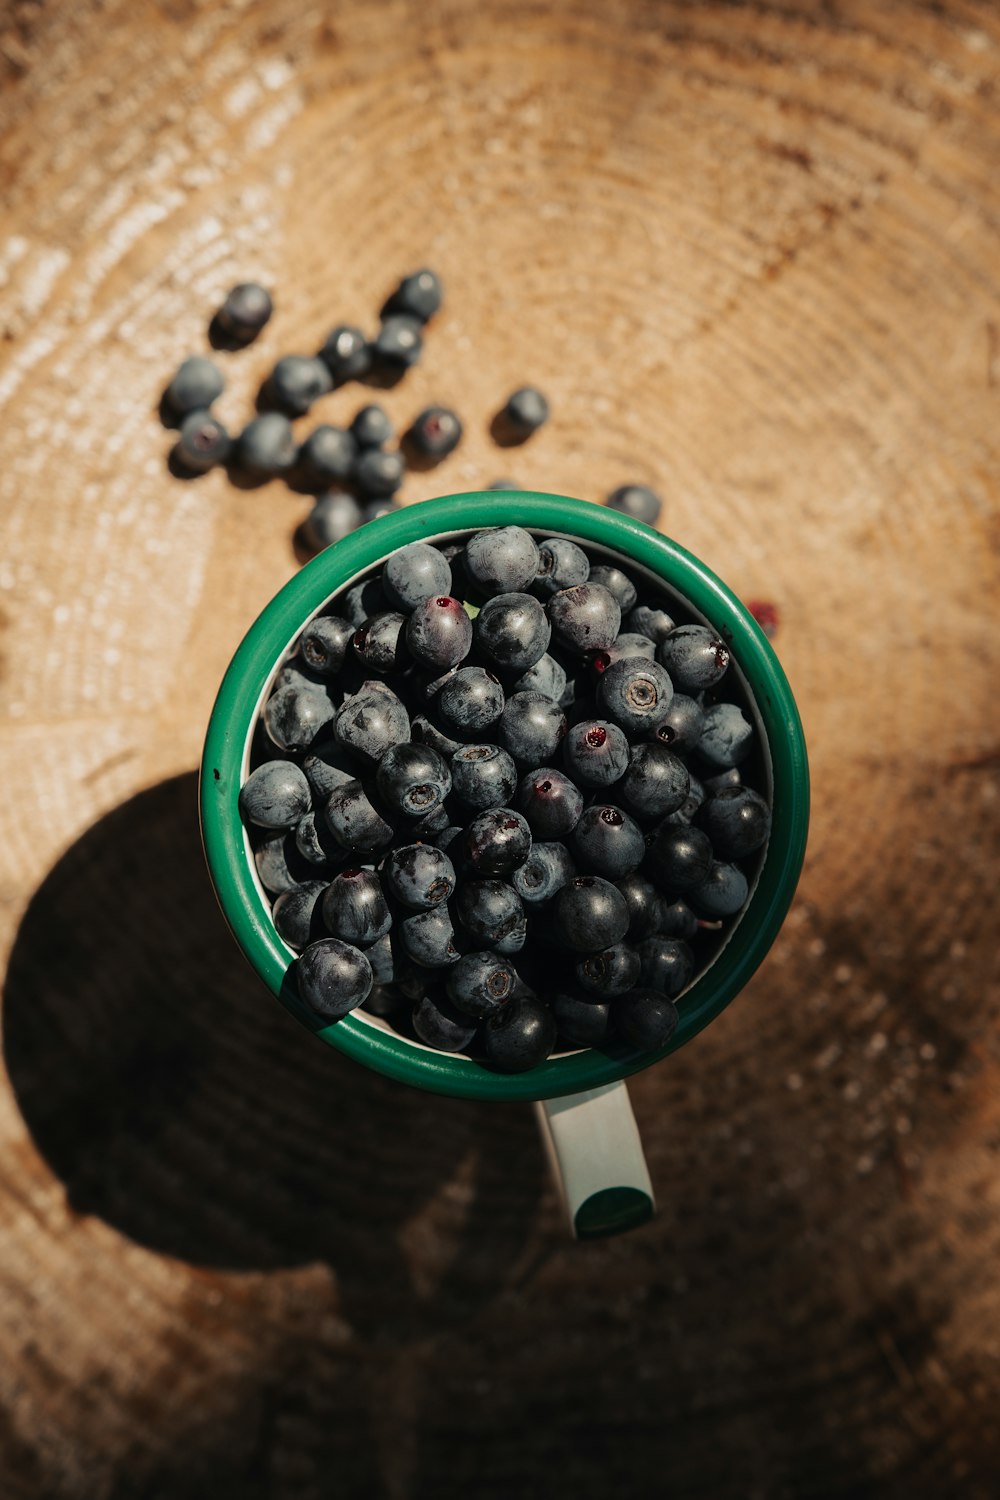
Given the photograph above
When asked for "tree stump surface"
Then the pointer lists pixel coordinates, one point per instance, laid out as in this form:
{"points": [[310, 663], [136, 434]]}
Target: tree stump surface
{"points": [[751, 255]]}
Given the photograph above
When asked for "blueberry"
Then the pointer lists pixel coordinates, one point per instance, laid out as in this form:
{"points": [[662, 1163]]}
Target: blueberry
{"points": [[197, 383], [438, 1024], [497, 841], [354, 820], [439, 632], [266, 446], [607, 841], [590, 914], [503, 484], [296, 914], [347, 354], [355, 909], [513, 632], [334, 516], [480, 984], [491, 912], [585, 617], [645, 1018], [727, 737], [296, 381], [678, 857], [363, 600], [628, 643], [399, 342], [412, 779], [472, 699], [666, 964], [695, 797], [203, 442], [723, 892], [246, 309], [677, 920], [435, 432], [649, 620], [546, 870], [327, 765], [427, 684], [294, 716], [380, 643], [424, 732], [316, 843], [374, 510], [483, 776], [419, 875], [389, 966], [561, 565], [617, 583], [296, 673], [645, 905], [417, 296], [550, 802], [656, 782], [694, 656], [333, 978], [596, 752], [372, 427], [501, 561], [323, 644], [737, 820], [328, 454], [276, 795], [377, 474], [637, 501], [634, 693], [526, 410], [280, 866], [369, 722], [413, 574], [519, 1036], [610, 972], [730, 777], [682, 724], [582, 1023], [429, 824], [547, 676], [429, 937]]}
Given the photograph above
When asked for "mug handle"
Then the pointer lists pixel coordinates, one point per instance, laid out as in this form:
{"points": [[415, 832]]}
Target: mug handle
{"points": [[596, 1157]]}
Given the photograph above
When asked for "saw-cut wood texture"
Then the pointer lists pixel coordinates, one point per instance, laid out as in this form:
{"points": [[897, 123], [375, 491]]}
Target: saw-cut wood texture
{"points": [[751, 253]]}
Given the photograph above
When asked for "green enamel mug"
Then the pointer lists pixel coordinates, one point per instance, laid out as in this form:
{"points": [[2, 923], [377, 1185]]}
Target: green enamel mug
{"points": [[580, 1097]]}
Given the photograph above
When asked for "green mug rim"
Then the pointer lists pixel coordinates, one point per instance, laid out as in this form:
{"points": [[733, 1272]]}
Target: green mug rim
{"points": [[237, 706]]}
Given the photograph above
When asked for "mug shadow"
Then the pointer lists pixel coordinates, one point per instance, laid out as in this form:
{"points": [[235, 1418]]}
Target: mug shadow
{"points": [[179, 1102]]}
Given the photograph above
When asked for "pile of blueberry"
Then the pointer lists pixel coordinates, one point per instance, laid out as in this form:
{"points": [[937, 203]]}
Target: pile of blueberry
{"points": [[352, 471], [504, 800]]}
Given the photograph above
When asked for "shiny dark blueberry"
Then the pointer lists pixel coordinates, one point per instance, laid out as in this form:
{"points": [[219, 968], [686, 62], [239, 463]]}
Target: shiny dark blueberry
{"points": [[645, 1018], [637, 501], [412, 779], [737, 820], [585, 617], [323, 644], [276, 795], [370, 721], [297, 381], [435, 432], [471, 700], [678, 857], [419, 875], [501, 561], [197, 383], [519, 1036], [616, 582], [581, 1022], [656, 782], [413, 574], [380, 643], [634, 693], [355, 821], [551, 803], [480, 984], [439, 632], [491, 912], [666, 964], [483, 776], [676, 919], [245, 311], [532, 728], [202, 443], [513, 631], [648, 620], [280, 866], [607, 841], [417, 296], [297, 914], [316, 843], [727, 736], [609, 973], [645, 905], [681, 726], [266, 446], [425, 732], [354, 907], [441, 1025], [333, 978], [347, 354], [546, 676], [372, 426], [497, 841], [628, 643], [695, 657], [328, 454], [327, 765], [723, 892], [294, 716], [429, 937], [596, 752], [561, 565], [399, 341], [590, 914], [546, 870]]}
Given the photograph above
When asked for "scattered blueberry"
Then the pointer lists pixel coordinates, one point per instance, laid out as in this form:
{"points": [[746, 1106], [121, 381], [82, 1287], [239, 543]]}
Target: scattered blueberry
{"points": [[377, 473], [399, 341], [435, 432], [525, 410], [202, 442], [297, 381], [197, 383], [372, 427], [637, 501], [245, 311], [417, 296], [266, 446], [328, 454]]}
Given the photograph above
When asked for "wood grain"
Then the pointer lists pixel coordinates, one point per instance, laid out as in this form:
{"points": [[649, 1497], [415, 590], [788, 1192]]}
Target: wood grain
{"points": [[751, 254]]}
